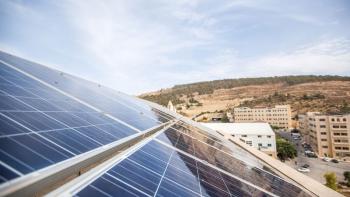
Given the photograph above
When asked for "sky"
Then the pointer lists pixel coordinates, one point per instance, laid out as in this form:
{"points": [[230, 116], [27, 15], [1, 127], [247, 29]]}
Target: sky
{"points": [[140, 46]]}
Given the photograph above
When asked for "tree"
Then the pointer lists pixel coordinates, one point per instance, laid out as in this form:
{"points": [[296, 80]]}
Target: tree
{"points": [[285, 149], [225, 118], [331, 180], [347, 177], [274, 127], [305, 97]]}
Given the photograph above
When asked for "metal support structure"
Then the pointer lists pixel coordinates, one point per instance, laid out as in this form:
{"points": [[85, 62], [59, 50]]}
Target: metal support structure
{"points": [[45, 180]]}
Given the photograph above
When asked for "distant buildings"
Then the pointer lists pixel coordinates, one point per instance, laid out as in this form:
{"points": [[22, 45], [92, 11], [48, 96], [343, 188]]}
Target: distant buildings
{"points": [[279, 116], [329, 135], [257, 135]]}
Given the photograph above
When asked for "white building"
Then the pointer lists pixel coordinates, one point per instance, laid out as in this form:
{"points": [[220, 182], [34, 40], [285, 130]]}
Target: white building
{"points": [[257, 135]]}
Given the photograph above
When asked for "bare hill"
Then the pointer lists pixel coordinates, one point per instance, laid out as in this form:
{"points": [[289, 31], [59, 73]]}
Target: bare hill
{"points": [[303, 93]]}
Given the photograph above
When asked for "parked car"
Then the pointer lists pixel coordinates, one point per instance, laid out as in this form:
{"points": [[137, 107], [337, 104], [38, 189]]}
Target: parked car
{"points": [[334, 161], [311, 155], [306, 166], [305, 170], [309, 152], [326, 159]]}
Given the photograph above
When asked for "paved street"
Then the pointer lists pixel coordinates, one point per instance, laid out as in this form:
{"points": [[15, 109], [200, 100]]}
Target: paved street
{"points": [[317, 167]]}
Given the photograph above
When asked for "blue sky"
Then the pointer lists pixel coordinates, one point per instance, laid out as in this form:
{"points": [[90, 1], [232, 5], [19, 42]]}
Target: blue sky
{"points": [[139, 46]]}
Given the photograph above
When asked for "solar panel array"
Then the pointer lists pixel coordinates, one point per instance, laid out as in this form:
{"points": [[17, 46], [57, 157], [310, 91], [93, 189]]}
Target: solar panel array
{"points": [[159, 170], [40, 126], [182, 161], [48, 117]]}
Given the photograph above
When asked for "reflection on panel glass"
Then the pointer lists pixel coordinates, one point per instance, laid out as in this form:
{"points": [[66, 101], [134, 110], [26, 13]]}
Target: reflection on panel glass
{"points": [[158, 170], [40, 127], [222, 157], [125, 108]]}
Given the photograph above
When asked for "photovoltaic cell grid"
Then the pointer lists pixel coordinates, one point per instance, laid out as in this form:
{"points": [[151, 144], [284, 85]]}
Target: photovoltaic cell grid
{"points": [[179, 163], [40, 126], [125, 108], [216, 154], [158, 170]]}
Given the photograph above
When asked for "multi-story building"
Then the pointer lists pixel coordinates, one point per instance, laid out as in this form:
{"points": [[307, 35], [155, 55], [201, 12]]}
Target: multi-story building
{"points": [[279, 116], [329, 135], [257, 135]]}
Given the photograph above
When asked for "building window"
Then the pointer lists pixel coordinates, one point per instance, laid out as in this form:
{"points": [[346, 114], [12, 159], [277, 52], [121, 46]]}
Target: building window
{"points": [[260, 144], [323, 140], [322, 119], [233, 135], [324, 146], [269, 136], [345, 148], [323, 133], [259, 136], [343, 126], [344, 119], [332, 119], [335, 126], [269, 145], [244, 135], [249, 143], [322, 126]]}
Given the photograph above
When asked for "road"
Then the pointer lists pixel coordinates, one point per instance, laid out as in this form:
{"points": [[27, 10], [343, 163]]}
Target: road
{"points": [[317, 167]]}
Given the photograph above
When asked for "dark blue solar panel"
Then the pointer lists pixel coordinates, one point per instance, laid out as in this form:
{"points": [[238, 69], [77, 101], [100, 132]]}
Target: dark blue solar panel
{"points": [[123, 107], [158, 170], [40, 126], [6, 174]]}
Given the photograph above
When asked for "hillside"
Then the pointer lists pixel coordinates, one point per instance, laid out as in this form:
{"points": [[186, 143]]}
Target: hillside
{"points": [[303, 93]]}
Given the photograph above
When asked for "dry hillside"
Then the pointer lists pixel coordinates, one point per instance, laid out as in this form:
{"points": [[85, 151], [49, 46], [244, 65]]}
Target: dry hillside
{"points": [[323, 95]]}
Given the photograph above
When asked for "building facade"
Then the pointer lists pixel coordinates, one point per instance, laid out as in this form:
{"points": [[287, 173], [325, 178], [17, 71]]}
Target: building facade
{"points": [[279, 116], [329, 135], [257, 135]]}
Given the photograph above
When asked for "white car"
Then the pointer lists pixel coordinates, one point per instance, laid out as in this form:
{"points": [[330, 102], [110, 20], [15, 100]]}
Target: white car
{"points": [[326, 159], [303, 170]]}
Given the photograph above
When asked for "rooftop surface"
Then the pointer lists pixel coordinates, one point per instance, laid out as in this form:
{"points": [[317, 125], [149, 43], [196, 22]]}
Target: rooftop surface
{"points": [[242, 128]]}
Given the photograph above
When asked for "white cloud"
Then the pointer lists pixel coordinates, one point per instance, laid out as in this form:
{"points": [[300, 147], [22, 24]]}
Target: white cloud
{"points": [[138, 46], [324, 57]]}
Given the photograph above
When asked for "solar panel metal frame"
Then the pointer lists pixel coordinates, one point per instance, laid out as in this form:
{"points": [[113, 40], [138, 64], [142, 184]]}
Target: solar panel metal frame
{"points": [[39, 181], [77, 185]]}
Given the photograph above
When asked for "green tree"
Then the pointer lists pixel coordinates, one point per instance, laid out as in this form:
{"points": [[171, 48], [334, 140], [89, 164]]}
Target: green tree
{"points": [[274, 127], [285, 149], [225, 118], [347, 177], [331, 180]]}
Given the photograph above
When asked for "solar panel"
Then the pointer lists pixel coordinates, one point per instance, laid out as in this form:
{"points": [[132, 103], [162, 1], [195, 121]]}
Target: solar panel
{"points": [[159, 170], [216, 154], [124, 108], [183, 162], [40, 126]]}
